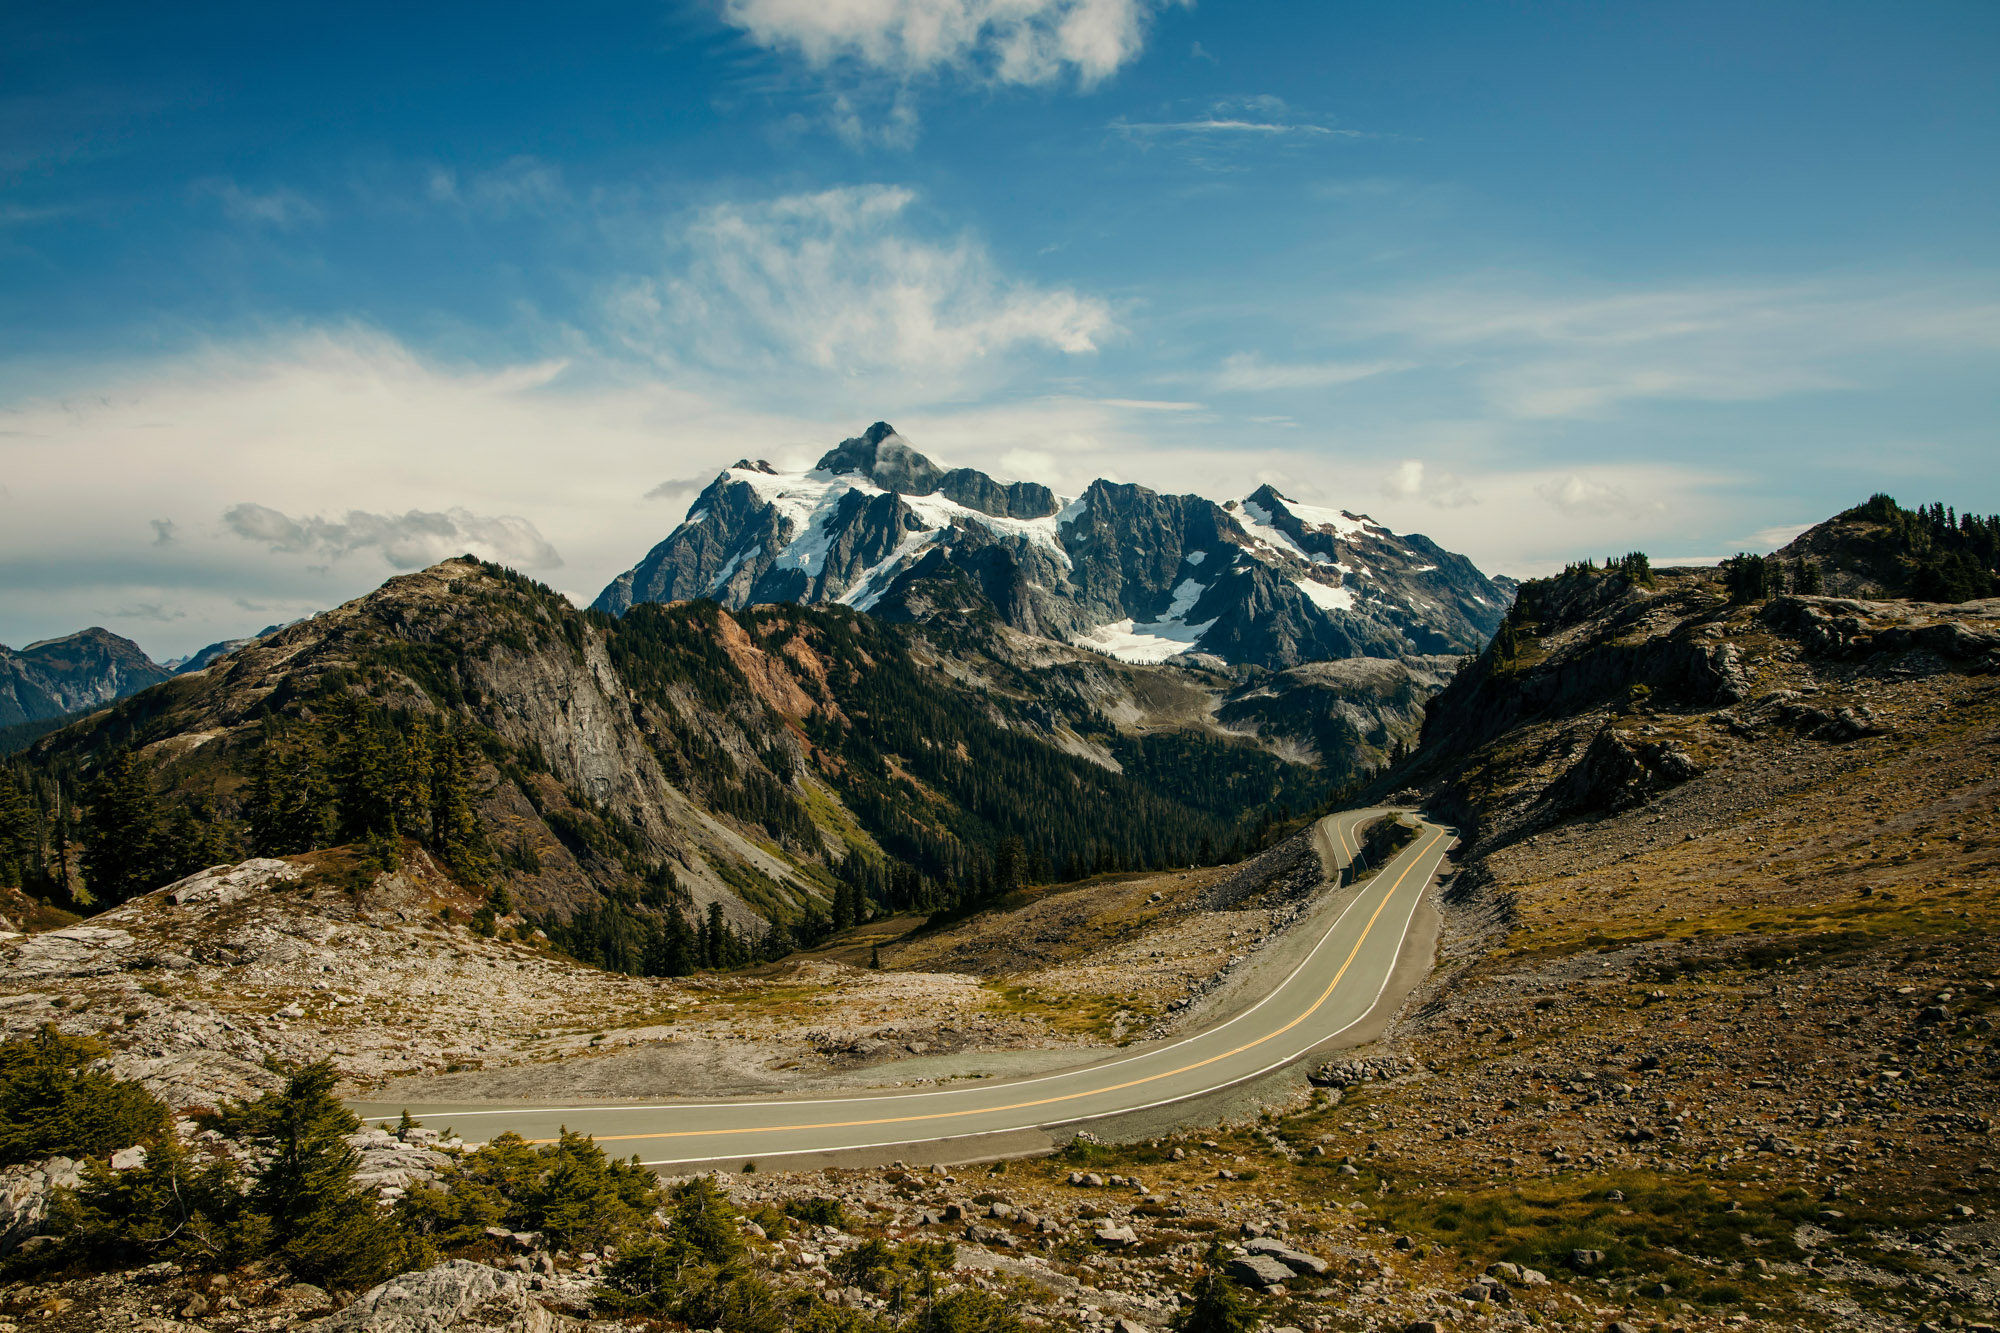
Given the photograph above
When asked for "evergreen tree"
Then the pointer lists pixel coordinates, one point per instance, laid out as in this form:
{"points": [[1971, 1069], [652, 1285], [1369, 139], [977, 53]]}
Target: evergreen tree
{"points": [[290, 805], [19, 838], [415, 773], [121, 831], [325, 1229], [361, 770], [456, 833], [715, 940], [1217, 1308], [194, 839]]}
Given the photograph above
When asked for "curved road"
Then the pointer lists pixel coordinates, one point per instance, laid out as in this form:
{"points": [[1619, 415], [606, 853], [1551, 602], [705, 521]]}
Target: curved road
{"points": [[1332, 989]]}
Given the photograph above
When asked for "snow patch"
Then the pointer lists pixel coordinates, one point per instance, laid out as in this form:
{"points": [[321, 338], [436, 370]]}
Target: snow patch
{"points": [[1325, 598], [1156, 642]]}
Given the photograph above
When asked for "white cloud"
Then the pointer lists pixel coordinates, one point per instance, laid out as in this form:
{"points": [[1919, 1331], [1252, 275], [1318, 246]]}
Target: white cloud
{"points": [[1775, 536], [1411, 480], [1153, 404], [839, 281], [407, 541], [1246, 373], [1002, 41], [1579, 496], [687, 485], [518, 185]]}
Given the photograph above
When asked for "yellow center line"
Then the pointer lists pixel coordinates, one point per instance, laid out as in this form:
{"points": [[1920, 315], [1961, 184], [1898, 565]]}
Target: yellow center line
{"points": [[1324, 995]]}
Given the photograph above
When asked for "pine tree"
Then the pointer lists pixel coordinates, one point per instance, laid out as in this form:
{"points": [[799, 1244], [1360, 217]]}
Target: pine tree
{"points": [[415, 772], [18, 833], [290, 804], [121, 832], [325, 1229], [360, 768], [1217, 1308], [715, 940], [456, 834]]}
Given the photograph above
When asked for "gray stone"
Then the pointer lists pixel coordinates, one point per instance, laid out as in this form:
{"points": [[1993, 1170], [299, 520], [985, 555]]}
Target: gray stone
{"points": [[1296, 1260], [1258, 1270], [26, 1191], [454, 1297], [1115, 1237]]}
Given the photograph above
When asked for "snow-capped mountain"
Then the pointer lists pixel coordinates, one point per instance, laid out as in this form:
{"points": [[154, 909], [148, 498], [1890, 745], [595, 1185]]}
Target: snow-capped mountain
{"points": [[1125, 570]]}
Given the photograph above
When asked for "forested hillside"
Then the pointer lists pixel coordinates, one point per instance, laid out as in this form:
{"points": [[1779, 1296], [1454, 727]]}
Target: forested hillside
{"points": [[682, 786]]}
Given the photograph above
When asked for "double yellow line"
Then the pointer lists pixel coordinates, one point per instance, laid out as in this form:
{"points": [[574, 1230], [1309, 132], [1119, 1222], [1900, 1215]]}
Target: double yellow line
{"points": [[1436, 837]]}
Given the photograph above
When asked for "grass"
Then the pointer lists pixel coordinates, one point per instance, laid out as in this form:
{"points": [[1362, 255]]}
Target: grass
{"points": [[1078, 1014]]}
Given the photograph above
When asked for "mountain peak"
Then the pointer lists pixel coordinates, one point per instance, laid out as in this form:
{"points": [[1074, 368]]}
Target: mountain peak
{"points": [[885, 458]]}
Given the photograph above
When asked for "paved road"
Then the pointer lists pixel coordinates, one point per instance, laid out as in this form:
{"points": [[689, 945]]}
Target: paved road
{"points": [[1332, 989]]}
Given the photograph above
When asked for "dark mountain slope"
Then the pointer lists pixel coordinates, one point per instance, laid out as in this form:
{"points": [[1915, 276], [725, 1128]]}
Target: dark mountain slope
{"points": [[78, 671]]}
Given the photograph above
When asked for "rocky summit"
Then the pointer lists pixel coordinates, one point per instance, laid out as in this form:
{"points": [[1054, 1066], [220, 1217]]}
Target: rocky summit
{"points": [[1142, 576]]}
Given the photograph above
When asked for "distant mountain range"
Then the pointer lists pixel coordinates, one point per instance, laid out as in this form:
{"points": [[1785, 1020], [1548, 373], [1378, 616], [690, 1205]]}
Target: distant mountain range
{"points": [[55, 677], [1133, 573]]}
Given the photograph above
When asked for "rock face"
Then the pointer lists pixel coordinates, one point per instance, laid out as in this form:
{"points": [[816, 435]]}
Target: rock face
{"points": [[1121, 569], [454, 1297], [25, 1194], [78, 671]]}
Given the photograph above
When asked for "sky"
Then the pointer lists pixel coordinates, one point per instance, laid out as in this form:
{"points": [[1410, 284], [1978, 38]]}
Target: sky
{"points": [[293, 298]]}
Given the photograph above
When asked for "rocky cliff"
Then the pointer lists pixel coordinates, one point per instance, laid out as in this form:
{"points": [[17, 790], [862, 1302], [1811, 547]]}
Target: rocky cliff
{"points": [[1120, 569]]}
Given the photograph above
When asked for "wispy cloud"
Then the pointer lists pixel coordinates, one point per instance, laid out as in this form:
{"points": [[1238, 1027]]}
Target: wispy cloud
{"points": [[1580, 496], [997, 41], [1153, 404], [406, 541], [1579, 354], [674, 486], [1248, 373], [1219, 128], [280, 206], [842, 281], [518, 185], [163, 531], [1411, 480]]}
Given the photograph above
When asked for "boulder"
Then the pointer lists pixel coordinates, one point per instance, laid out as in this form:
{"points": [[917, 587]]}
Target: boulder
{"points": [[25, 1194], [1117, 1237], [1296, 1260], [454, 1297], [1258, 1270]]}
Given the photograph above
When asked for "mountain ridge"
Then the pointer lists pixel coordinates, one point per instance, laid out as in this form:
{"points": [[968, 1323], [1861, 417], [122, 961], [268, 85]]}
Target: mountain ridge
{"points": [[1120, 569]]}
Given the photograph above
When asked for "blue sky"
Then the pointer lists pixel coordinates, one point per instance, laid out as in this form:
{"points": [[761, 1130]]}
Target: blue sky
{"points": [[294, 297]]}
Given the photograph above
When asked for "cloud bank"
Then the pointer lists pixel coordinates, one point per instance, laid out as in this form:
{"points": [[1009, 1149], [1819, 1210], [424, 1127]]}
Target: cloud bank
{"points": [[407, 541]]}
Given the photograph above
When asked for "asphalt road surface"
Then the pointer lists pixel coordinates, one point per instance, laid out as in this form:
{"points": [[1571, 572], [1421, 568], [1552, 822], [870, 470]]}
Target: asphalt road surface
{"points": [[1332, 989]]}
